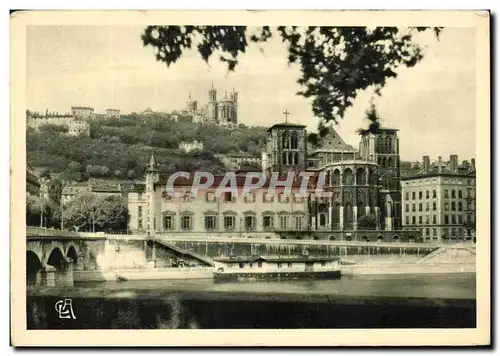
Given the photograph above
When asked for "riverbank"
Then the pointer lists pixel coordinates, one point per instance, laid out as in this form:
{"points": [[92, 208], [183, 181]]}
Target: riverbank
{"points": [[392, 269], [207, 272], [143, 274]]}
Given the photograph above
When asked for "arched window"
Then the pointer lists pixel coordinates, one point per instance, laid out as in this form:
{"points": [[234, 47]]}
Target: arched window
{"points": [[361, 209], [389, 162], [384, 163], [296, 157], [295, 140], [283, 161], [286, 140], [360, 177], [348, 214], [389, 145], [336, 177], [290, 158], [348, 177], [336, 213]]}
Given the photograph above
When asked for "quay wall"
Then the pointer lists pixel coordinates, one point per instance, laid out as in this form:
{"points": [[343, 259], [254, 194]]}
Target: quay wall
{"points": [[406, 268], [214, 248], [143, 274]]}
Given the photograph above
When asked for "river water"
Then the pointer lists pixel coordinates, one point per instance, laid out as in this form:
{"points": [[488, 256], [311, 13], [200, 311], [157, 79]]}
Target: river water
{"points": [[447, 286]]}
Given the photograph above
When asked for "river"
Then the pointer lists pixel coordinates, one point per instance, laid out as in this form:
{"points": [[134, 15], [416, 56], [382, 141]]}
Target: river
{"points": [[397, 301], [448, 286]]}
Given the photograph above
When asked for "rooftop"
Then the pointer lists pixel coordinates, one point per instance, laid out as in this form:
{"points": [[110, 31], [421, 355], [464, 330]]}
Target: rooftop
{"points": [[286, 124], [276, 259], [82, 107], [446, 173], [240, 180]]}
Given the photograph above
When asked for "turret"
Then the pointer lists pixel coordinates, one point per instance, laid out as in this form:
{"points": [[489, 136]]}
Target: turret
{"points": [[152, 177], [152, 165], [234, 97], [212, 93]]}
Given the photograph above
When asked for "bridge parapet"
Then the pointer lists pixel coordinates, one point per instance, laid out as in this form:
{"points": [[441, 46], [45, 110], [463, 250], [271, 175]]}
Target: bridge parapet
{"points": [[32, 231]]}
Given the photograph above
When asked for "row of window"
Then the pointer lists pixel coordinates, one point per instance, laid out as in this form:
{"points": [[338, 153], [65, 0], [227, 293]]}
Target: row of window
{"points": [[448, 219], [434, 194], [452, 231], [455, 206], [279, 264], [229, 197], [248, 223]]}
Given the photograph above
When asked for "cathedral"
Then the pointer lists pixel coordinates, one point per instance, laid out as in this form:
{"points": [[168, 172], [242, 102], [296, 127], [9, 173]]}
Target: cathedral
{"points": [[359, 183], [217, 112]]}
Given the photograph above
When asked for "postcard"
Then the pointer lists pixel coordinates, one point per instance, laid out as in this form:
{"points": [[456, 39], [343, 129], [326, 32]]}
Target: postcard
{"points": [[250, 178]]}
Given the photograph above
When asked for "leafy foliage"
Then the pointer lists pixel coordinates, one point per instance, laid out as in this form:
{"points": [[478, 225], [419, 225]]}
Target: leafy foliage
{"points": [[373, 119], [120, 149], [88, 211], [367, 222], [335, 62]]}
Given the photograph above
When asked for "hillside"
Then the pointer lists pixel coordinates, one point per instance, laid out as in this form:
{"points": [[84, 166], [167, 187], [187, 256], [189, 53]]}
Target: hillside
{"points": [[119, 149]]}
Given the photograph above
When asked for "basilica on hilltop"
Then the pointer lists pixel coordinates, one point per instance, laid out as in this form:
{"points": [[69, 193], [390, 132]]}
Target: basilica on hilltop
{"points": [[222, 112]]}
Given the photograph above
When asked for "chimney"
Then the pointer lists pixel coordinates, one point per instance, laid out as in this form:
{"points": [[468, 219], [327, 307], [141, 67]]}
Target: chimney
{"points": [[426, 163], [473, 163], [454, 163], [440, 164]]}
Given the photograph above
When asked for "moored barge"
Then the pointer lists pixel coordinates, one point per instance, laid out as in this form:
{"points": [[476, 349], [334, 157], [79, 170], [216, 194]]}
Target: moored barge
{"points": [[252, 268]]}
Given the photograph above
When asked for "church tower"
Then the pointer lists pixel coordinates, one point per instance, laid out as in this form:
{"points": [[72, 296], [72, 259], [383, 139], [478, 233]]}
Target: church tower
{"points": [[152, 177], [234, 108], [212, 105], [382, 147], [287, 147]]}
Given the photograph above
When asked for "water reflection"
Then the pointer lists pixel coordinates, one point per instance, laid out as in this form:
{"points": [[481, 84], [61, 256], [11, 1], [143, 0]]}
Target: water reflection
{"points": [[424, 286]]}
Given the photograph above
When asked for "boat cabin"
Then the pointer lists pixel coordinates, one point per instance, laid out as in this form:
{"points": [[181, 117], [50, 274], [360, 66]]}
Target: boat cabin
{"points": [[259, 264]]}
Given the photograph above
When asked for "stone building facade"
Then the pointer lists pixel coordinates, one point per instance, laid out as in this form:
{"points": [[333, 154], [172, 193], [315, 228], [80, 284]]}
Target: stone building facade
{"points": [[440, 200], [75, 126], [82, 112], [112, 114], [355, 185], [32, 181]]}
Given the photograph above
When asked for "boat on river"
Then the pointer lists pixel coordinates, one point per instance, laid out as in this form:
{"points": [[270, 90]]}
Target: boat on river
{"points": [[253, 268]]}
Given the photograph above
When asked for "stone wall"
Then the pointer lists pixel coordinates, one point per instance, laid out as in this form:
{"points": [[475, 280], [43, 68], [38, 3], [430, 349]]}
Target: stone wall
{"points": [[214, 249]]}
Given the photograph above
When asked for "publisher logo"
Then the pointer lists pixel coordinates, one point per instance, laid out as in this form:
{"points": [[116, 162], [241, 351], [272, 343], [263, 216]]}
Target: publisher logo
{"points": [[65, 309]]}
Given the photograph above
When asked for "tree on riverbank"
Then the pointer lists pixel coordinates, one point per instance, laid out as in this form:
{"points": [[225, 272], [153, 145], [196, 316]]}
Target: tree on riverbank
{"points": [[88, 212], [367, 222]]}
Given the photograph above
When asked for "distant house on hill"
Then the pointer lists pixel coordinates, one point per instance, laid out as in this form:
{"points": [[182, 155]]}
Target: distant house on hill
{"points": [[235, 161], [191, 146], [32, 181], [100, 187]]}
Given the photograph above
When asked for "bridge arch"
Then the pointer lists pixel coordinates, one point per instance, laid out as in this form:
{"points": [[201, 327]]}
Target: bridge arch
{"points": [[55, 258], [72, 253], [33, 267]]}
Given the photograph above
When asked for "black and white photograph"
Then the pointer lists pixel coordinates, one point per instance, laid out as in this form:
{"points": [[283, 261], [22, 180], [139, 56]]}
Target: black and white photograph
{"points": [[320, 172]]}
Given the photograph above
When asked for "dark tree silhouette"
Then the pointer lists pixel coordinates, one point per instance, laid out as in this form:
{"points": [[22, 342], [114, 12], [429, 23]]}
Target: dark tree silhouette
{"points": [[367, 222], [335, 62]]}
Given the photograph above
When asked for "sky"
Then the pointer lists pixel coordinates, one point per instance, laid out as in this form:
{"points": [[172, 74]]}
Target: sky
{"points": [[432, 104]]}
